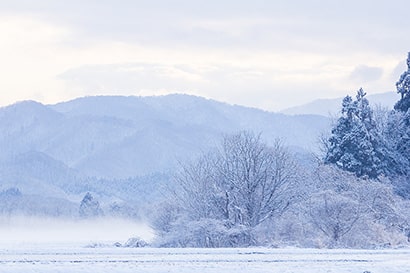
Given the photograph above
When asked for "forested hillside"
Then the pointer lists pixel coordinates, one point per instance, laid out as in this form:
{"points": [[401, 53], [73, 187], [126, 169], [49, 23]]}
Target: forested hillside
{"points": [[123, 150]]}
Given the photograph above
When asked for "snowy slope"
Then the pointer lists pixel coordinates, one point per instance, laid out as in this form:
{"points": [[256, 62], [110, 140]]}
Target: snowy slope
{"points": [[129, 136], [119, 147]]}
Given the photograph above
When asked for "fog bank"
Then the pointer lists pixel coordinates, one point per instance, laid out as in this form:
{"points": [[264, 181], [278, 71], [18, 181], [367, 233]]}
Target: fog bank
{"points": [[35, 230]]}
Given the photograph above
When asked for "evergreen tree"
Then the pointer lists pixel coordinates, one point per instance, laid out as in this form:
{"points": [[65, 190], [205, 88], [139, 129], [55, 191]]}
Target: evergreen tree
{"points": [[398, 127], [90, 207], [397, 142], [354, 144], [403, 88]]}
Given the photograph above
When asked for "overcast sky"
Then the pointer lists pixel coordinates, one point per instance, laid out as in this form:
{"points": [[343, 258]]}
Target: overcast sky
{"points": [[265, 54]]}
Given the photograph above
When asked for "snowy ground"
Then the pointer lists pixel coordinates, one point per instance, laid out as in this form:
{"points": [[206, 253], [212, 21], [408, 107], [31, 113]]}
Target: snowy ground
{"points": [[72, 259], [30, 245]]}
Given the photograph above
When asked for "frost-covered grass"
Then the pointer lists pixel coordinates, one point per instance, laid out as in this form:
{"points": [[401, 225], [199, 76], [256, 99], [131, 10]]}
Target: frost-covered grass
{"points": [[73, 259]]}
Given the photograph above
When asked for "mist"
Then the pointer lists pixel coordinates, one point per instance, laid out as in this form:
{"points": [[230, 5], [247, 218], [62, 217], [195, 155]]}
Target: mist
{"points": [[23, 230]]}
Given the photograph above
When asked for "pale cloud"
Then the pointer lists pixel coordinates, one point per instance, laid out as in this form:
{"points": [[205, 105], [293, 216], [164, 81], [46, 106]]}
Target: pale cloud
{"points": [[398, 70], [268, 54], [364, 74], [29, 53]]}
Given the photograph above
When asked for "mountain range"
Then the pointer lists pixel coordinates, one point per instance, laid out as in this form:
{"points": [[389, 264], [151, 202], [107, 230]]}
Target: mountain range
{"points": [[122, 149], [331, 107]]}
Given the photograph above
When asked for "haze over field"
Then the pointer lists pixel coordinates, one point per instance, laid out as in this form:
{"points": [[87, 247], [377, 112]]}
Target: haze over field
{"points": [[17, 231]]}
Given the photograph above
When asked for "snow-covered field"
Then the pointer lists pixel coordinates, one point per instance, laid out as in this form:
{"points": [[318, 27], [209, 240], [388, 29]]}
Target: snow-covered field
{"points": [[74, 259], [30, 245]]}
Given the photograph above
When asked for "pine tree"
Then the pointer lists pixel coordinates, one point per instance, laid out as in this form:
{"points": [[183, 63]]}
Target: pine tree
{"points": [[403, 88], [354, 143]]}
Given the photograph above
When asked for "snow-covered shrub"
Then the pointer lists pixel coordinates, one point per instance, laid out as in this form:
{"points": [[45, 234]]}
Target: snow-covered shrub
{"points": [[206, 233], [135, 242]]}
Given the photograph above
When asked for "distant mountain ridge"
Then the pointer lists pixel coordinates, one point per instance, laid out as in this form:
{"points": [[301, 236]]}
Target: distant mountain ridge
{"points": [[331, 107], [120, 147]]}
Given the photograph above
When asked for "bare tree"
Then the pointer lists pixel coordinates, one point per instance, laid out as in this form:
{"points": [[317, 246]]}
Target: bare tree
{"points": [[334, 214], [257, 179], [352, 211], [240, 184]]}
